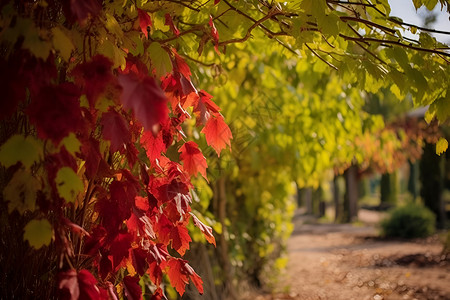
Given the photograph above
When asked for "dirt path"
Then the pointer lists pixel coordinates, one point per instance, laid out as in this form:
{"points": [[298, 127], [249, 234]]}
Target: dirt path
{"points": [[344, 262]]}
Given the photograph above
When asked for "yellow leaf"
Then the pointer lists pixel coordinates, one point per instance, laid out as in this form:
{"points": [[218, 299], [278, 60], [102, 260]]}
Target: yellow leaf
{"points": [[441, 146], [19, 148], [62, 43], [38, 233], [68, 183], [20, 193]]}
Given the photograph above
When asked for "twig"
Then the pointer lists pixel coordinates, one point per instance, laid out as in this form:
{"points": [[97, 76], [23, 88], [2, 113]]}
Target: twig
{"points": [[367, 39], [320, 57]]}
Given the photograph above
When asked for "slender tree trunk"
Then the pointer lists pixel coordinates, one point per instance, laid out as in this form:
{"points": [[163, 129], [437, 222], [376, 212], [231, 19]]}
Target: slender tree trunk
{"points": [[337, 209], [351, 194], [222, 245], [307, 196], [412, 180]]}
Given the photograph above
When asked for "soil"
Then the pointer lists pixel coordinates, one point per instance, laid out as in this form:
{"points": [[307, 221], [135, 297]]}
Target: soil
{"points": [[344, 262]]}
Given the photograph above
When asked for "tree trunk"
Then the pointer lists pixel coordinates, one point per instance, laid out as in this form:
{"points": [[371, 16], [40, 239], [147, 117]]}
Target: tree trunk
{"points": [[412, 180], [388, 189], [222, 245], [307, 197], [351, 194], [432, 179], [337, 208]]}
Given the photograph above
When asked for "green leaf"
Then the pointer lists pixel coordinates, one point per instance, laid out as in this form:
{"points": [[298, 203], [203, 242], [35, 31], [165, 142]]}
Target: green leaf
{"points": [[62, 43], [441, 146], [68, 183], [430, 4], [38, 233], [441, 108], [329, 24], [19, 148], [20, 193], [160, 60]]}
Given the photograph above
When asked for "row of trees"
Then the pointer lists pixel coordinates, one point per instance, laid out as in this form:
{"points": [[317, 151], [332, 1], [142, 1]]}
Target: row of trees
{"points": [[111, 142]]}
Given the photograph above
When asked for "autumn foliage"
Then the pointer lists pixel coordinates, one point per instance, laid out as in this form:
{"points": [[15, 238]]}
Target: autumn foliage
{"points": [[85, 146]]}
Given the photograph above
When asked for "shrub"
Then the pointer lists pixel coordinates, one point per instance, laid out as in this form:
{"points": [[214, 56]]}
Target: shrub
{"points": [[410, 221]]}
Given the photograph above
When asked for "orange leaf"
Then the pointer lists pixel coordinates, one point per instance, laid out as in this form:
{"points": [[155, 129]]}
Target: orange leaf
{"points": [[193, 159], [217, 133]]}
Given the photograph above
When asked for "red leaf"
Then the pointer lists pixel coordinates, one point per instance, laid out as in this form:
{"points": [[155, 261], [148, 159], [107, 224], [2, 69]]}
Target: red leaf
{"points": [[177, 278], [158, 295], [94, 77], [169, 22], [155, 273], [214, 34], [163, 229], [68, 285], [207, 230], [180, 239], [180, 65], [119, 248], [217, 133], [132, 289], [138, 257], [144, 21], [115, 129], [153, 145], [56, 112], [140, 224], [90, 152], [179, 272], [204, 107], [193, 159], [88, 287], [82, 9], [141, 203], [146, 99], [81, 286], [158, 252]]}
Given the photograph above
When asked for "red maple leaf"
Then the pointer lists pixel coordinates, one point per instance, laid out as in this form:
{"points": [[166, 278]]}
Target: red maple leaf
{"points": [[214, 34], [94, 77], [132, 289], [56, 112], [180, 65], [179, 272], [88, 287], [115, 129], [140, 224], [138, 258], [119, 248], [155, 273], [172, 26], [153, 145], [207, 230], [204, 107], [193, 159], [144, 21], [145, 98], [180, 238], [217, 133]]}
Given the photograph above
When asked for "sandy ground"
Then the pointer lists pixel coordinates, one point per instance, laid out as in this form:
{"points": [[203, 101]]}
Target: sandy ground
{"points": [[344, 262]]}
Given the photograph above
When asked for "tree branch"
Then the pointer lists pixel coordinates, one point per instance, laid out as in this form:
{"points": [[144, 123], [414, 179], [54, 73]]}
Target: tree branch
{"points": [[387, 42]]}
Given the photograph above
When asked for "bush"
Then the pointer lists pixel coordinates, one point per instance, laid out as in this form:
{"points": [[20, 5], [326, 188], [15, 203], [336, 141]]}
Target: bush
{"points": [[410, 221]]}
